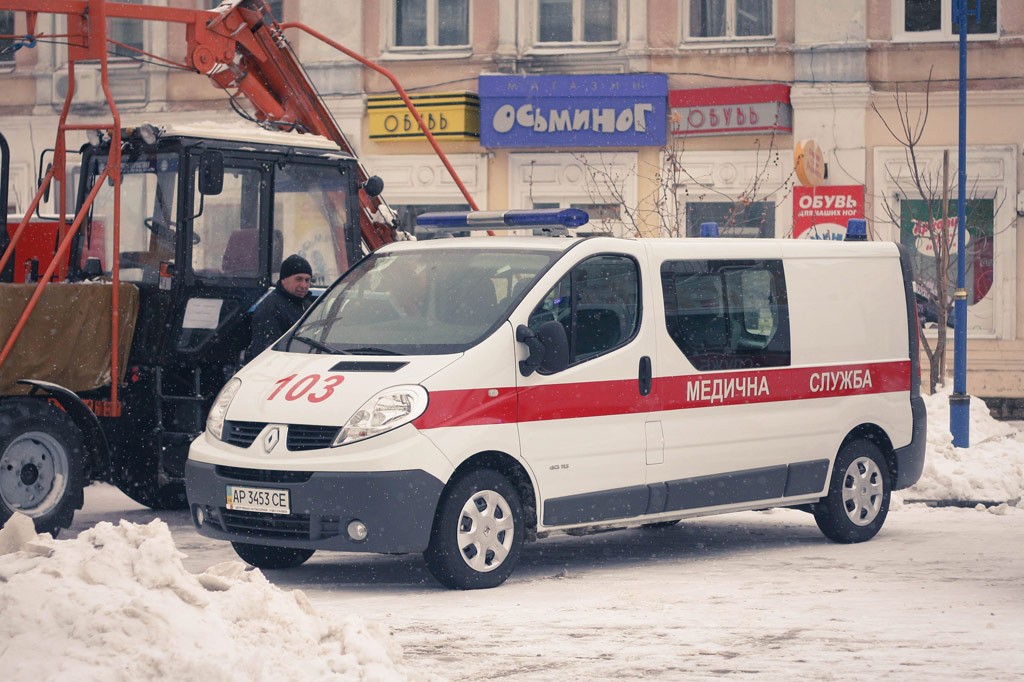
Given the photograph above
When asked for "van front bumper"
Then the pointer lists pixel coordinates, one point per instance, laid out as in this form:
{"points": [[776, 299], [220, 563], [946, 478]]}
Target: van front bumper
{"points": [[397, 508]]}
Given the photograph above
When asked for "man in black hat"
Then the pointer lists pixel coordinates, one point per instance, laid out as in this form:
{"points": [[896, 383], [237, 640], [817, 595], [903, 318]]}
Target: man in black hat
{"points": [[282, 308]]}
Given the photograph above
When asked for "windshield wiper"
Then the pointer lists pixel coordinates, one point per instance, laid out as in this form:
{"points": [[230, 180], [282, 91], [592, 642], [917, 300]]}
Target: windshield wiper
{"points": [[370, 350], [313, 343]]}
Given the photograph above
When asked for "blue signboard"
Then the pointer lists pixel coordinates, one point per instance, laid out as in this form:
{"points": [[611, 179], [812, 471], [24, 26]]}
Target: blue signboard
{"points": [[573, 111]]}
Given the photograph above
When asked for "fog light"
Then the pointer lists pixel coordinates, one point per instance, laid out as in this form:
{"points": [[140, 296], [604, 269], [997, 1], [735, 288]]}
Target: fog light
{"points": [[357, 530], [200, 516]]}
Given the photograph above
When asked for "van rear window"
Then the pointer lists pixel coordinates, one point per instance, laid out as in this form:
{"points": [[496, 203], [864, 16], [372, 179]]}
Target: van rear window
{"points": [[727, 314]]}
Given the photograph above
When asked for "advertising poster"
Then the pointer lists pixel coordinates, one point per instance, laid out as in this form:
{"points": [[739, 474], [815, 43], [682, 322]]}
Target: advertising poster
{"points": [[920, 228], [821, 212]]}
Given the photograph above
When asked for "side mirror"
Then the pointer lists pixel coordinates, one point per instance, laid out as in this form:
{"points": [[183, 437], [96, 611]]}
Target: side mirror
{"points": [[211, 173], [373, 186], [549, 348]]}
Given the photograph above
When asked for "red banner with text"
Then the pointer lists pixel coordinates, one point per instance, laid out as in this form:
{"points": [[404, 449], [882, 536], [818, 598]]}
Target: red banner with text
{"points": [[821, 212]]}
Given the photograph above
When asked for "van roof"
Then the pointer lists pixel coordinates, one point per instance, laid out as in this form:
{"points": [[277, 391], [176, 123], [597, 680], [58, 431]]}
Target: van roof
{"points": [[682, 248], [486, 242]]}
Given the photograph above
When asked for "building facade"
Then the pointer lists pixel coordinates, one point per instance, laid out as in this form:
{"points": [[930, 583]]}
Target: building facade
{"points": [[656, 116]]}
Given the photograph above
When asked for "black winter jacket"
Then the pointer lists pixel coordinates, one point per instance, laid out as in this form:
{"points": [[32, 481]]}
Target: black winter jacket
{"points": [[274, 316]]}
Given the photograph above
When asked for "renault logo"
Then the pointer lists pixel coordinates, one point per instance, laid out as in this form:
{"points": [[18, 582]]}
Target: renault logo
{"points": [[272, 438]]}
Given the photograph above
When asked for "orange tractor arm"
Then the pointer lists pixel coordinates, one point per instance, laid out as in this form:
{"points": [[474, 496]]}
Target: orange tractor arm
{"points": [[240, 47]]}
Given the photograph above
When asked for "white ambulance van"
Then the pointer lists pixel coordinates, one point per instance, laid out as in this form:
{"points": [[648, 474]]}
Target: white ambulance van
{"points": [[458, 397]]}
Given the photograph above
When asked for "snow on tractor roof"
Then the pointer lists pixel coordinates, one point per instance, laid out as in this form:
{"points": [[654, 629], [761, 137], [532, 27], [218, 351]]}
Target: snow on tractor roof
{"points": [[243, 131]]}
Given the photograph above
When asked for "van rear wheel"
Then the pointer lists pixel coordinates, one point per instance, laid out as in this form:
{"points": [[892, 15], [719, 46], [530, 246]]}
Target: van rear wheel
{"points": [[858, 495], [264, 556], [478, 532]]}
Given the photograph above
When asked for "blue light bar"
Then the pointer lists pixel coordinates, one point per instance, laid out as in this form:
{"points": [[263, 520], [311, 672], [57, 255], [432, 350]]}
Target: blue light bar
{"points": [[504, 220], [709, 229], [856, 230]]}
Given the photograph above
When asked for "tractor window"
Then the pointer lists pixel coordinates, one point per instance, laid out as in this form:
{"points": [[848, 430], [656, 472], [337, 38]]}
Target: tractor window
{"points": [[226, 240], [312, 219], [148, 217]]}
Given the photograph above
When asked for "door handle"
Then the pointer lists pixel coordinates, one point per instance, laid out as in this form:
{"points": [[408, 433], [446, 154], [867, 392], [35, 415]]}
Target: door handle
{"points": [[645, 375]]}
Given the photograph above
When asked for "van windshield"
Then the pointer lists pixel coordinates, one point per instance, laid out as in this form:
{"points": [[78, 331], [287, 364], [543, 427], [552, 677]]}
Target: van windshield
{"points": [[419, 302]]}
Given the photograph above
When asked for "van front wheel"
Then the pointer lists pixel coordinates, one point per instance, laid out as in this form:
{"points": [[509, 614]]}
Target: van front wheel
{"points": [[858, 494], [478, 532]]}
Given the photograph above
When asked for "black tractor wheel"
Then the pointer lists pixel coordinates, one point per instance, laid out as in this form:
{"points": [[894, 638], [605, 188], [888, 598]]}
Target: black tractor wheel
{"points": [[478, 532], [263, 556], [858, 495], [42, 464]]}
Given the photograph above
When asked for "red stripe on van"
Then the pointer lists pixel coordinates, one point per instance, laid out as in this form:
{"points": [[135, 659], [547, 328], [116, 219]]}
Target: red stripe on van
{"points": [[472, 407], [776, 385], [475, 407]]}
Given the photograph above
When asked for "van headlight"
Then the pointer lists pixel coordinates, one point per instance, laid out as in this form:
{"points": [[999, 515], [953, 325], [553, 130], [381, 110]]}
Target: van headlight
{"points": [[385, 411], [215, 420]]}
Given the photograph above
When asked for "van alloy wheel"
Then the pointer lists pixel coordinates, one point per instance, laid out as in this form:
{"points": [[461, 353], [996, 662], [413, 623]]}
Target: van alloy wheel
{"points": [[862, 491], [478, 532], [857, 502], [485, 531]]}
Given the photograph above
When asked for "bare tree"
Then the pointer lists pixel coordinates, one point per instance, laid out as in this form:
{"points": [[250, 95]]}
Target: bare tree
{"points": [[661, 208], [936, 231]]}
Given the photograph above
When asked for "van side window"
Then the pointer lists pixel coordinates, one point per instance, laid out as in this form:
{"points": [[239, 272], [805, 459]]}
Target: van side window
{"points": [[598, 303], [728, 314]]}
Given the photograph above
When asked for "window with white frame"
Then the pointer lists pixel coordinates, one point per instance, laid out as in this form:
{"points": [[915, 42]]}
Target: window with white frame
{"points": [[745, 193], [718, 20], [602, 184], [921, 20], [577, 21], [990, 248], [738, 218], [430, 23]]}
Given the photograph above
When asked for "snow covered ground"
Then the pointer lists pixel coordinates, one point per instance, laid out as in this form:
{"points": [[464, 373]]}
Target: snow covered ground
{"points": [[939, 594]]}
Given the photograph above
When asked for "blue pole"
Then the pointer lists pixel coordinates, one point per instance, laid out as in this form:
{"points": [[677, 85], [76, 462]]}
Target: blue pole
{"points": [[959, 400]]}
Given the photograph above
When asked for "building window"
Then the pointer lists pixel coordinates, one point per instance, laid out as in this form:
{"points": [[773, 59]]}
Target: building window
{"points": [[734, 218], [921, 228], [408, 213], [6, 28], [914, 218], [577, 21], [127, 32], [431, 23], [933, 19], [727, 19], [602, 184]]}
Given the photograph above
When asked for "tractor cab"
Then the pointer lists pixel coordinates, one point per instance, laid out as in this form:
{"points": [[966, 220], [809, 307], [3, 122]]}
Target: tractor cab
{"points": [[207, 213]]}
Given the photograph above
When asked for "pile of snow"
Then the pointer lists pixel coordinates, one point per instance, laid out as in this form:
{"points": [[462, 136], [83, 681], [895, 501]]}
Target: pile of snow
{"points": [[117, 604], [991, 470]]}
